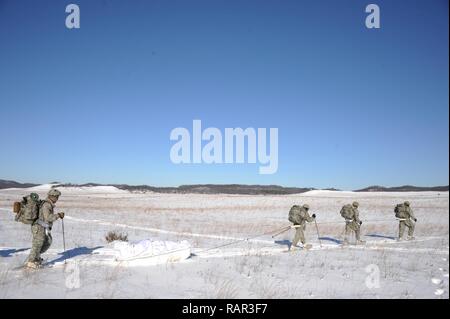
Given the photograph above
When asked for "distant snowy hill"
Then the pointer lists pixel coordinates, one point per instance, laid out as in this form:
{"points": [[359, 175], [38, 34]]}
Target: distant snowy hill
{"points": [[405, 188], [12, 184], [207, 188], [204, 189]]}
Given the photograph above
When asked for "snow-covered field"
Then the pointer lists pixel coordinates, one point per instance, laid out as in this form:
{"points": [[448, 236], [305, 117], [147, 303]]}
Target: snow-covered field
{"points": [[222, 263]]}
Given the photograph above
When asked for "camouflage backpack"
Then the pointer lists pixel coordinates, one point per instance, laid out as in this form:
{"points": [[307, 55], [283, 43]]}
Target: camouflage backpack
{"points": [[27, 211], [293, 212], [347, 211], [400, 211]]}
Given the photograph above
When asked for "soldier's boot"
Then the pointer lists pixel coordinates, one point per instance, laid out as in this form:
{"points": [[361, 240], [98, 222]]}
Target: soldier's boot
{"points": [[32, 265], [360, 241], [300, 247], [38, 260], [399, 239], [411, 238]]}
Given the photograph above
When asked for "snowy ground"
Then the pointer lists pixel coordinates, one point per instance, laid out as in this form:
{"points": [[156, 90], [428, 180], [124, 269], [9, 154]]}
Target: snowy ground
{"points": [[257, 268]]}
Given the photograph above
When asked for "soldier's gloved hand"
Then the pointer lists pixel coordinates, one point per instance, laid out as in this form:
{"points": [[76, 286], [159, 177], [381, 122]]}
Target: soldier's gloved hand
{"points": [[313, 215], [360, 222], [61, 215], [415, 219]]}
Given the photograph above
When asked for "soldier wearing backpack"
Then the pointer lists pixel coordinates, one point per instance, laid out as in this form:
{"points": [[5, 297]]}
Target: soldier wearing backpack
{"points": [[41, 228], [352, 221], [405, 215], [298, 215]]}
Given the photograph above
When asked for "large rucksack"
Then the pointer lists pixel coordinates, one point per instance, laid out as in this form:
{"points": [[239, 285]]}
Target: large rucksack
{"points": [[347, 211], [293, 212], [27, 211], [400, 211]]}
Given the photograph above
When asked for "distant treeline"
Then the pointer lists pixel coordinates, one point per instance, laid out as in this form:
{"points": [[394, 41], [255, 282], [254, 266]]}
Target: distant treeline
{"points": [[405, 188], [229, 188]]}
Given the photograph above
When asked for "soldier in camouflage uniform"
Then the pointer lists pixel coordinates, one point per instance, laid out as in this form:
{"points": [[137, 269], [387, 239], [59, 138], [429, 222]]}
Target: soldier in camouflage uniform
{"points": [[406, 221], [353, 224], [40, 229], [299, 218]]}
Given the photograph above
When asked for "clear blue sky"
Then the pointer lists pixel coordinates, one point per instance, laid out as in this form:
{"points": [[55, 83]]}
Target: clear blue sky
{"points": [[354, 107]]}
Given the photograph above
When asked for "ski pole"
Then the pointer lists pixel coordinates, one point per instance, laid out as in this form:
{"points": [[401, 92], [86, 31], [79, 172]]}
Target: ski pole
{"points": [[284, 230], [318, 236], [64, 237]]}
